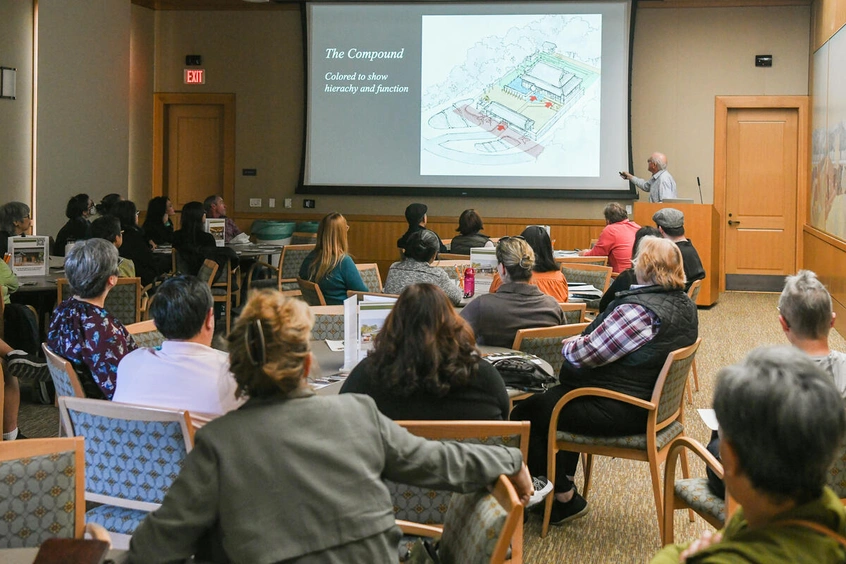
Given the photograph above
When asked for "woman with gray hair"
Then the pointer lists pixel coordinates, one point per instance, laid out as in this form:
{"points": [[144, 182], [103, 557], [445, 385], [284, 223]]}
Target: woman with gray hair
{"points": [[14, 220], [496, 318], [420, 250], [81, 330]]}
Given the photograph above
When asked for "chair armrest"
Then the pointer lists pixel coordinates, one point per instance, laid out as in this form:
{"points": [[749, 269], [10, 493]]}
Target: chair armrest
{"points": [[418, 529], [256, 265]]}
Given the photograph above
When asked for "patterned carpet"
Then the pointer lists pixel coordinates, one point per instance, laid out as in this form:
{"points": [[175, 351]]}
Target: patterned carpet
{"points": [[622, 524]]}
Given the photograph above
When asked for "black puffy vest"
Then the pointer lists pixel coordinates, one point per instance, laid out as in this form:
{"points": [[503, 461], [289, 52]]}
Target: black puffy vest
{"points": [[635, 374]]}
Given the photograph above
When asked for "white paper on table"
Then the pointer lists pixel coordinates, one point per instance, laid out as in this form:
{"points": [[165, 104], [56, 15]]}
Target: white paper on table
{"points": [[350, 333], [379, 299], [335, 346], [709, 416]]}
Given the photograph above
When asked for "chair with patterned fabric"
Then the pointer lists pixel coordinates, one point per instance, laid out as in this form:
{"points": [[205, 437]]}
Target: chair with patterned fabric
{"points": [[145, 334], [479, 527], [370, 276], [545, 342], [597, 276], [223, 291], [132, 456], [42, 492], [692, 494], [423, 506], [312, 294], [573, 313], [665, 421], [837, 475], [123, 301], [65, 378], [285, 273], [328, 323]]}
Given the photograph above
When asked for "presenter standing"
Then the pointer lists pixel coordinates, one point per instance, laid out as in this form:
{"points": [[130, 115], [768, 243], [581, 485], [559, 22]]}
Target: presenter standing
{"points": [[661, 186]]}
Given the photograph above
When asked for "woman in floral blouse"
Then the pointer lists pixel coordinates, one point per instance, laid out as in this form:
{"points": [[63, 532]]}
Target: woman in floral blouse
{"points": [[81, 330]]}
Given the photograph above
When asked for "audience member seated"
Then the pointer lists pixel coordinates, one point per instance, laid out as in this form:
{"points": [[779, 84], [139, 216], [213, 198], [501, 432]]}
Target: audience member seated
{"points": [[186, 372], [296, 477], [623, 350], [670, 223], [782, 423], [416, 268], [108, 227], [329, 265], [425, 364], [107, 204], [135, 245], [157, 225], [806, 316], [496, 318], [81, 330], [8, 281], [14, 220], [215, 208], [546, 274], [627, 278], [415, 215], [470, 226], [616, 239], [77, 228], [195, 245]]}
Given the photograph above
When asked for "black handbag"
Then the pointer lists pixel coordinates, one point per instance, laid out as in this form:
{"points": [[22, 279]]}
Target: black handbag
{"points": [[522, 374]]}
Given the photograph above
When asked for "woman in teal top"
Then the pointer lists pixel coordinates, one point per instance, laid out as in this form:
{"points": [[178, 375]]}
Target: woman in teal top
{"points": [[329, 265]]}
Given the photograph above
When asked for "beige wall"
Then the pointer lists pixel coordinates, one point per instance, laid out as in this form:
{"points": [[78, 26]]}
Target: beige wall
{"points": [[142, 51], [83, 103], [682, 59], [685, 57], [16, 115]]}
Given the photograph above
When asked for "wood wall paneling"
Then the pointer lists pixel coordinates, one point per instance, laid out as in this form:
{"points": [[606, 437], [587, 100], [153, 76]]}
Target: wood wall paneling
{"points": [[826, 256]]}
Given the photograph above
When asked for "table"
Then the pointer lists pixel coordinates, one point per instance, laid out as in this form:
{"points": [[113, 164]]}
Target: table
{"points": [[27, 555], [328, 363]]}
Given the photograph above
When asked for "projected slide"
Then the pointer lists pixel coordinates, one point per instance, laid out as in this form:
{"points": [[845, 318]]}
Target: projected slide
{"points": [[513, 95], [482, 98]]}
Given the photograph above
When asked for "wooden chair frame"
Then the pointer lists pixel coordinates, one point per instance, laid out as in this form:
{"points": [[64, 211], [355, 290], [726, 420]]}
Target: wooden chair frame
{"points": [[693, 293], [64, 365], [278, 268], [567, 306], [62, 287], [672, 501], [563, 331], [652, 455], [361, 295], [371, 266], [589, 267], [506, 496], [453, 256], [446, 430], [308, 286], [12, 450], [598, 260], [141, 327], [225, 298]]}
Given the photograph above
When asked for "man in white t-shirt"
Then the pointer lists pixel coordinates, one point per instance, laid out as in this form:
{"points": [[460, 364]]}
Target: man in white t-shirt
{"points": [[185, 373], [806, 316]]}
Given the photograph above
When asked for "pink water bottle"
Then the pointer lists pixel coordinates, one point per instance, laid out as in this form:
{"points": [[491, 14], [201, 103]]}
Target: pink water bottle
{"points": [[469, 282]]}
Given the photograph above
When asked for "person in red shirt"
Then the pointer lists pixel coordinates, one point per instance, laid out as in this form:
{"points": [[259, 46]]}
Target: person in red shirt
{"points": [[616, 239]]}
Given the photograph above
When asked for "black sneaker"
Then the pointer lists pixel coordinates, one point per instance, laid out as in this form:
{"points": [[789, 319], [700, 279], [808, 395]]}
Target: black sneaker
{"points": [[574, 509], [27, 366]]}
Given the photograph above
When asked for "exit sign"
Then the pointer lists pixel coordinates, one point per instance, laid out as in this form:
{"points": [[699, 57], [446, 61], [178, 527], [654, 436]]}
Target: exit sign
{"points": [[195, 76]]}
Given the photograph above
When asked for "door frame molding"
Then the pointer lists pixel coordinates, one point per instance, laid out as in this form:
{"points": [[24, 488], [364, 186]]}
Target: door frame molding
{"points": [[160, 102], [722, 105]]}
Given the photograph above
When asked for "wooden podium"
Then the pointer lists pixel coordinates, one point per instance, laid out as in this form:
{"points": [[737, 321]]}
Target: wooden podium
{"points": [[702, 227]]}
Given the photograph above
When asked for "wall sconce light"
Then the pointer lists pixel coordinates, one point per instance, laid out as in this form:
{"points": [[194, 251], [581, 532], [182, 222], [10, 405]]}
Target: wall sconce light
{"points": [[8, 77]]}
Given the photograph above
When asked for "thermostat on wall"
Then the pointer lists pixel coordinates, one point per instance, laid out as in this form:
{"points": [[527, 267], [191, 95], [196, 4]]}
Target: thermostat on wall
{"points": [[763, 60]]}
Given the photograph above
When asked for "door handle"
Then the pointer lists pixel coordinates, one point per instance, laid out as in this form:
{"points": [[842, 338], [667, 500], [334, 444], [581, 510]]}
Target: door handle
{"points": [[732, 222]]}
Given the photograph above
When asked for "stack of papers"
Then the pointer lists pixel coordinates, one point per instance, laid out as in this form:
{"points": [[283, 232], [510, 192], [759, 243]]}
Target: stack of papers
{"points": [[579, 291]]}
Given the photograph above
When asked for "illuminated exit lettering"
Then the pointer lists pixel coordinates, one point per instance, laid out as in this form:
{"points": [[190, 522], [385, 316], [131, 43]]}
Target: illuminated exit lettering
{"points": [[195, 76]]}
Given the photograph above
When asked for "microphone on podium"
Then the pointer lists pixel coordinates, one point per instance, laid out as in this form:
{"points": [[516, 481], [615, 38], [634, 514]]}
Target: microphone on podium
{"points": [[701, 200]]}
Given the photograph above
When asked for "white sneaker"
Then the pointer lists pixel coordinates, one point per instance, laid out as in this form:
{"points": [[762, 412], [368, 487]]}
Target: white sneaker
{"points": [[543, 487]]}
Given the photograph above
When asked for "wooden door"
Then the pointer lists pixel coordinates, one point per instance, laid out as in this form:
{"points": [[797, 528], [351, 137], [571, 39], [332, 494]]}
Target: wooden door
{"points": [[194, 147], [762, 151]]}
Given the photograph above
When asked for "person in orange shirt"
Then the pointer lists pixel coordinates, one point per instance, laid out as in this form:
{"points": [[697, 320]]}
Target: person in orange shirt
{"points": [[546, 274], [616, 239]]}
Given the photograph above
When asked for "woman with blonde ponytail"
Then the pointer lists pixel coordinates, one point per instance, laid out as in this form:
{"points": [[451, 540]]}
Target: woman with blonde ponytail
{"points": [[496, 318]]}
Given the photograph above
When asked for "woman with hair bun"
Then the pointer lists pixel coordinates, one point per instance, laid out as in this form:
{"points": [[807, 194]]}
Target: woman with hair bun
{"points": [[546, 274], [420, 250], [292, 476], [425, 364], [496, 318]]}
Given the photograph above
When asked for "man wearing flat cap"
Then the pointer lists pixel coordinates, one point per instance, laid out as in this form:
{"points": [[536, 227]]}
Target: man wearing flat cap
{"points": [[415, 215], [670, 223]]}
